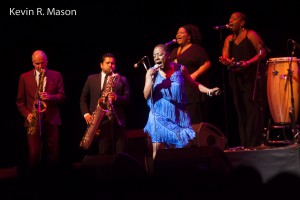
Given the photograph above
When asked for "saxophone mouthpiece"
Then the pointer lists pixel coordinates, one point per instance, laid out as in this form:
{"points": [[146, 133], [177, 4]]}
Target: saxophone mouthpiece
{"points": [[110, 72], [42, 70]]}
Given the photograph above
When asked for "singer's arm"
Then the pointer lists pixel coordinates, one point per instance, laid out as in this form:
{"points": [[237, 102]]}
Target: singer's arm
{"points": [[200, 87], [257, 43], [148, 83], [224, 59], [201, 70]]}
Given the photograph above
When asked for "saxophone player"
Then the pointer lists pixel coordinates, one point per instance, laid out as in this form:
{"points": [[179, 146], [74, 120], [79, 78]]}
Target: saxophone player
{"points": [[111, 138], [43, 145]]}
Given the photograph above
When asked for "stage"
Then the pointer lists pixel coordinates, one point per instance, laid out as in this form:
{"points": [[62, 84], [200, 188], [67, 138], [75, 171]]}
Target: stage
{"points": [[268, 160], [208, 172]]}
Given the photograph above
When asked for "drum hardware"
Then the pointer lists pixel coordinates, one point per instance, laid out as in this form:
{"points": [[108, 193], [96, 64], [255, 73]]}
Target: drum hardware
{"points": [[281, 135], [290, 74], [275, 72], [283, 76]]}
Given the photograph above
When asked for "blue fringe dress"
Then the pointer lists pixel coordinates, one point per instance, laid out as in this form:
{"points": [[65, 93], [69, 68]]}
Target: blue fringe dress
{"points": [[168, 120]]}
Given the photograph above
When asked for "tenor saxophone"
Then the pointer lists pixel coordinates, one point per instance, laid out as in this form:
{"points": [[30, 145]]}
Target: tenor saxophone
{"points": [[104, 106], [39, 107]]}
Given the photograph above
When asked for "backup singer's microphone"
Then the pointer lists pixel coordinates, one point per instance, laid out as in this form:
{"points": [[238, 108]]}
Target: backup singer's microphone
{"points": [[226, 26], [295, 43], [137, 64], [171, 42]]}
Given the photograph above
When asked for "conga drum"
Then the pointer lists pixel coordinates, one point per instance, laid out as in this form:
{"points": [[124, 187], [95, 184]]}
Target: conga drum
{"points": [[279, 88]]}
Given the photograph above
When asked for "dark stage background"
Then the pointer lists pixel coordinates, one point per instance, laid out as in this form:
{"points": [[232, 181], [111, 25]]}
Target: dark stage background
{"points": [[130, 30]]}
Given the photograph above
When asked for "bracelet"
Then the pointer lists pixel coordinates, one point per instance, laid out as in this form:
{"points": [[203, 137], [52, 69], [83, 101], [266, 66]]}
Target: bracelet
{"points": [[208, 93]]}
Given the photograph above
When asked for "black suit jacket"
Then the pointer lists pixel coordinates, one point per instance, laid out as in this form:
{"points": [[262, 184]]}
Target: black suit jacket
{"points": [[92, 92]]}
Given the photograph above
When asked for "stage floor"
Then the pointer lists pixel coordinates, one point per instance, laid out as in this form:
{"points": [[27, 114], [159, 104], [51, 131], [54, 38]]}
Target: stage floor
{"points": [[268, 160]]}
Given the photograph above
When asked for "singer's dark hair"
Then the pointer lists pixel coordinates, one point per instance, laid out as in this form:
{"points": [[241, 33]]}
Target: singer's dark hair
{"points": [[110, 55], [242, 17], [164, 47], [193, 31]]}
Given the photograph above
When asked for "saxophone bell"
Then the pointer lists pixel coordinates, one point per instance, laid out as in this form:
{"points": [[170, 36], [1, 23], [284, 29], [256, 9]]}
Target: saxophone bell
{"points": [[104, 107], [39, 106]]}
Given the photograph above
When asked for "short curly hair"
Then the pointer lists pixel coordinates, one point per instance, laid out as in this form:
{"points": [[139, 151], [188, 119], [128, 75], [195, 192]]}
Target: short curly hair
{"points": [[194, 32]]}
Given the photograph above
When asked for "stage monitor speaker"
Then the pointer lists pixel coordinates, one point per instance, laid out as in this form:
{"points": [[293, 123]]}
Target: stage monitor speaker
{"points": [[188, 162], [96, 166], [120, 165], [209, 135], [127, 166], [138, 143]]}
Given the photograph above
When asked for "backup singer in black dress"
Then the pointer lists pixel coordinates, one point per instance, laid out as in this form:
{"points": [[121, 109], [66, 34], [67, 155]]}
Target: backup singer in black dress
{"points": [[194, 57], [244, 46]]}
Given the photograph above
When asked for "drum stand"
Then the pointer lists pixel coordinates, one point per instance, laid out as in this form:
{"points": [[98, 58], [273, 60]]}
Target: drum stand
{"points": [[255, 83], [292, 111], [293, 127]]}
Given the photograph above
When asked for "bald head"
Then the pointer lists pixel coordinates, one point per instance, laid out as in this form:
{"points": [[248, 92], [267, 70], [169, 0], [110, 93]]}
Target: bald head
{"points": [[39, 60], [38, 54]]}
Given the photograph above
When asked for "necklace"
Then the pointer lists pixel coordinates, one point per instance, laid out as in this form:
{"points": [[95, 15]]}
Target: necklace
{"points": [[238, 37], [183, 49]]}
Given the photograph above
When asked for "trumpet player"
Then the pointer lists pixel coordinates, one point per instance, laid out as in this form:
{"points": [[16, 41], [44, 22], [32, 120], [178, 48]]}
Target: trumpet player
{"points": [[110, 137], [40, 91]]}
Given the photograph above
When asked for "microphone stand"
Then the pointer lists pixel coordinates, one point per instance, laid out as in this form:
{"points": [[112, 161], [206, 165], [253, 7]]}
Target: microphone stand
{"points": [[224, 87], [112, 121], [145, 65], [292, 111], [257, 77], [39, 115]]}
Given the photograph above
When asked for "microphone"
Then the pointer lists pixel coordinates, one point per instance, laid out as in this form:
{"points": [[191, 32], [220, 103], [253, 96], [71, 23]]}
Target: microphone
{"points": [[234, 65], [137, 64], [226, 26], [155, 70], [295, 43], [156, 66], [265, 47], [171, 42]]}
